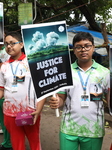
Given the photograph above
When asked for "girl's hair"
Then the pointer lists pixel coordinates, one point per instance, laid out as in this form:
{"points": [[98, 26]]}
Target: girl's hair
{"points": [[83, 36], [15, 35]]}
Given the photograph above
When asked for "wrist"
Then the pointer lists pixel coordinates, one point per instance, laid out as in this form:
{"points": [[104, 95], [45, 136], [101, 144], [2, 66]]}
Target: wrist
{"points": [[60, 102]]}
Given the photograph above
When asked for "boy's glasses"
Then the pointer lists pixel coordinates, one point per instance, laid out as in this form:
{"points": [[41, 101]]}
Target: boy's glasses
{"points": [[11, 44], [86, 47]]}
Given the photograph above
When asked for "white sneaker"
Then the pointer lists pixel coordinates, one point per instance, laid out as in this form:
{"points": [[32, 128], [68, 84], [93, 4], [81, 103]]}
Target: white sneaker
{"points": [[1, 131]]}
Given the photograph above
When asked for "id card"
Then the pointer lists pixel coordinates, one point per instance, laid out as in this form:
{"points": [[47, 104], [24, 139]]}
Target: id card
{"points": [[96, 97], [20, 79], [14, 88], [84, 101]]}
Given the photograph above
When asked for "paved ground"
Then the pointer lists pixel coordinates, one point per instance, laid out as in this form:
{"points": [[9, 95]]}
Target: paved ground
{"points": [[50, 130]]}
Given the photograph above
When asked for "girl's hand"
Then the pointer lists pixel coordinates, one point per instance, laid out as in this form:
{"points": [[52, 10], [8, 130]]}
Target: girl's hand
{"points": [[35, 114], [39, 108]]}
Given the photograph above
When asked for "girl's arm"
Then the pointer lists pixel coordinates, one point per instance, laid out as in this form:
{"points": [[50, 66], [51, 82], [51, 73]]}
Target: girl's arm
{"points": [[39, 108]]}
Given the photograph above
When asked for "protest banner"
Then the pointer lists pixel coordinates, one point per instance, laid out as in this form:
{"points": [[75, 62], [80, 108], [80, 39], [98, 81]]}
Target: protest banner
{"points": [[25, 14], [1, 24], [46, 47], [110, 60]]}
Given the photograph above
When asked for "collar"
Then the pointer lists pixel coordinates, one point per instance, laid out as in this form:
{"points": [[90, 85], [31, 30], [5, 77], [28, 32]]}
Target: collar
{"points": [[75, 65], [19, 59]]}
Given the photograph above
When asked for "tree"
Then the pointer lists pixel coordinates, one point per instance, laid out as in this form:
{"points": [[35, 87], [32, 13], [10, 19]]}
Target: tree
{"points": [[49, 11]]}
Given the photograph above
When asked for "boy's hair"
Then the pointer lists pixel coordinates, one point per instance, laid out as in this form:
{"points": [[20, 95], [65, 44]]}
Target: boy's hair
{"points": [[83, 36], [14, 34]]}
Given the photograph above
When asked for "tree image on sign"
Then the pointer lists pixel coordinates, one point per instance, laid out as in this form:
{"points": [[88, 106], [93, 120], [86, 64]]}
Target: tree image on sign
{"points": [[45, 48], [48, 52]]}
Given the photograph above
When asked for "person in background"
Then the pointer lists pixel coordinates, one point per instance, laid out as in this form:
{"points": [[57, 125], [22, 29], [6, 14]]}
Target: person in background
{"points": [[6, 144], [82, 124], [17, 87]]}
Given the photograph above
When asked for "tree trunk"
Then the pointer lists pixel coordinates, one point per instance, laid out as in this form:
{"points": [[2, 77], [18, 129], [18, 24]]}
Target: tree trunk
{"points": [[85, 10], [105, 37]]}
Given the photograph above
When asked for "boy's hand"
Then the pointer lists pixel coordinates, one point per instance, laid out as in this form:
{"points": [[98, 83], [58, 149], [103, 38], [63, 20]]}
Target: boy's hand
{"points": [[54, 102]]}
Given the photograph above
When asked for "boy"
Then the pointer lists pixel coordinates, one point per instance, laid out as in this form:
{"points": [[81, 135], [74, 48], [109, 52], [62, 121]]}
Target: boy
{"points": [[82, 123]]}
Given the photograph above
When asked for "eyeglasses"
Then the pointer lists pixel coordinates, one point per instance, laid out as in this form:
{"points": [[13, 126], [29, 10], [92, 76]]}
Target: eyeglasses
{"points": [[11, 44], [86, 47]]}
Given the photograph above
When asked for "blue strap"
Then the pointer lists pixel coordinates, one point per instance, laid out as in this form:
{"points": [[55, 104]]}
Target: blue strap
{"points": [[14, 73], [84, 85]]}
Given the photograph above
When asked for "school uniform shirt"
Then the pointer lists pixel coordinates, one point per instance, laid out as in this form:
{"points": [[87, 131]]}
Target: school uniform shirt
{"points": [[24, 99], [87, 120]]}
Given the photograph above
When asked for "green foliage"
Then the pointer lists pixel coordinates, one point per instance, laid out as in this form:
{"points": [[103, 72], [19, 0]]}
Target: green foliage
{"points": [[50, 11], [103, 13]]}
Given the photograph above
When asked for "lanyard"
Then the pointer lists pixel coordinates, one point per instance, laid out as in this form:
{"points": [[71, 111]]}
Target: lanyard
{"points": [[84, 85], [14, 72]]}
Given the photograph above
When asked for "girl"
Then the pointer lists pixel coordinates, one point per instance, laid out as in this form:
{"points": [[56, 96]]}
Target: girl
{"points": [[17, 88]]}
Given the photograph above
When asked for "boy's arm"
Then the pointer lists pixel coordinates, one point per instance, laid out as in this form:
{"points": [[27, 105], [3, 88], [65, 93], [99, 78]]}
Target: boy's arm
{"points": [[39, 108], [1, 92]]}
